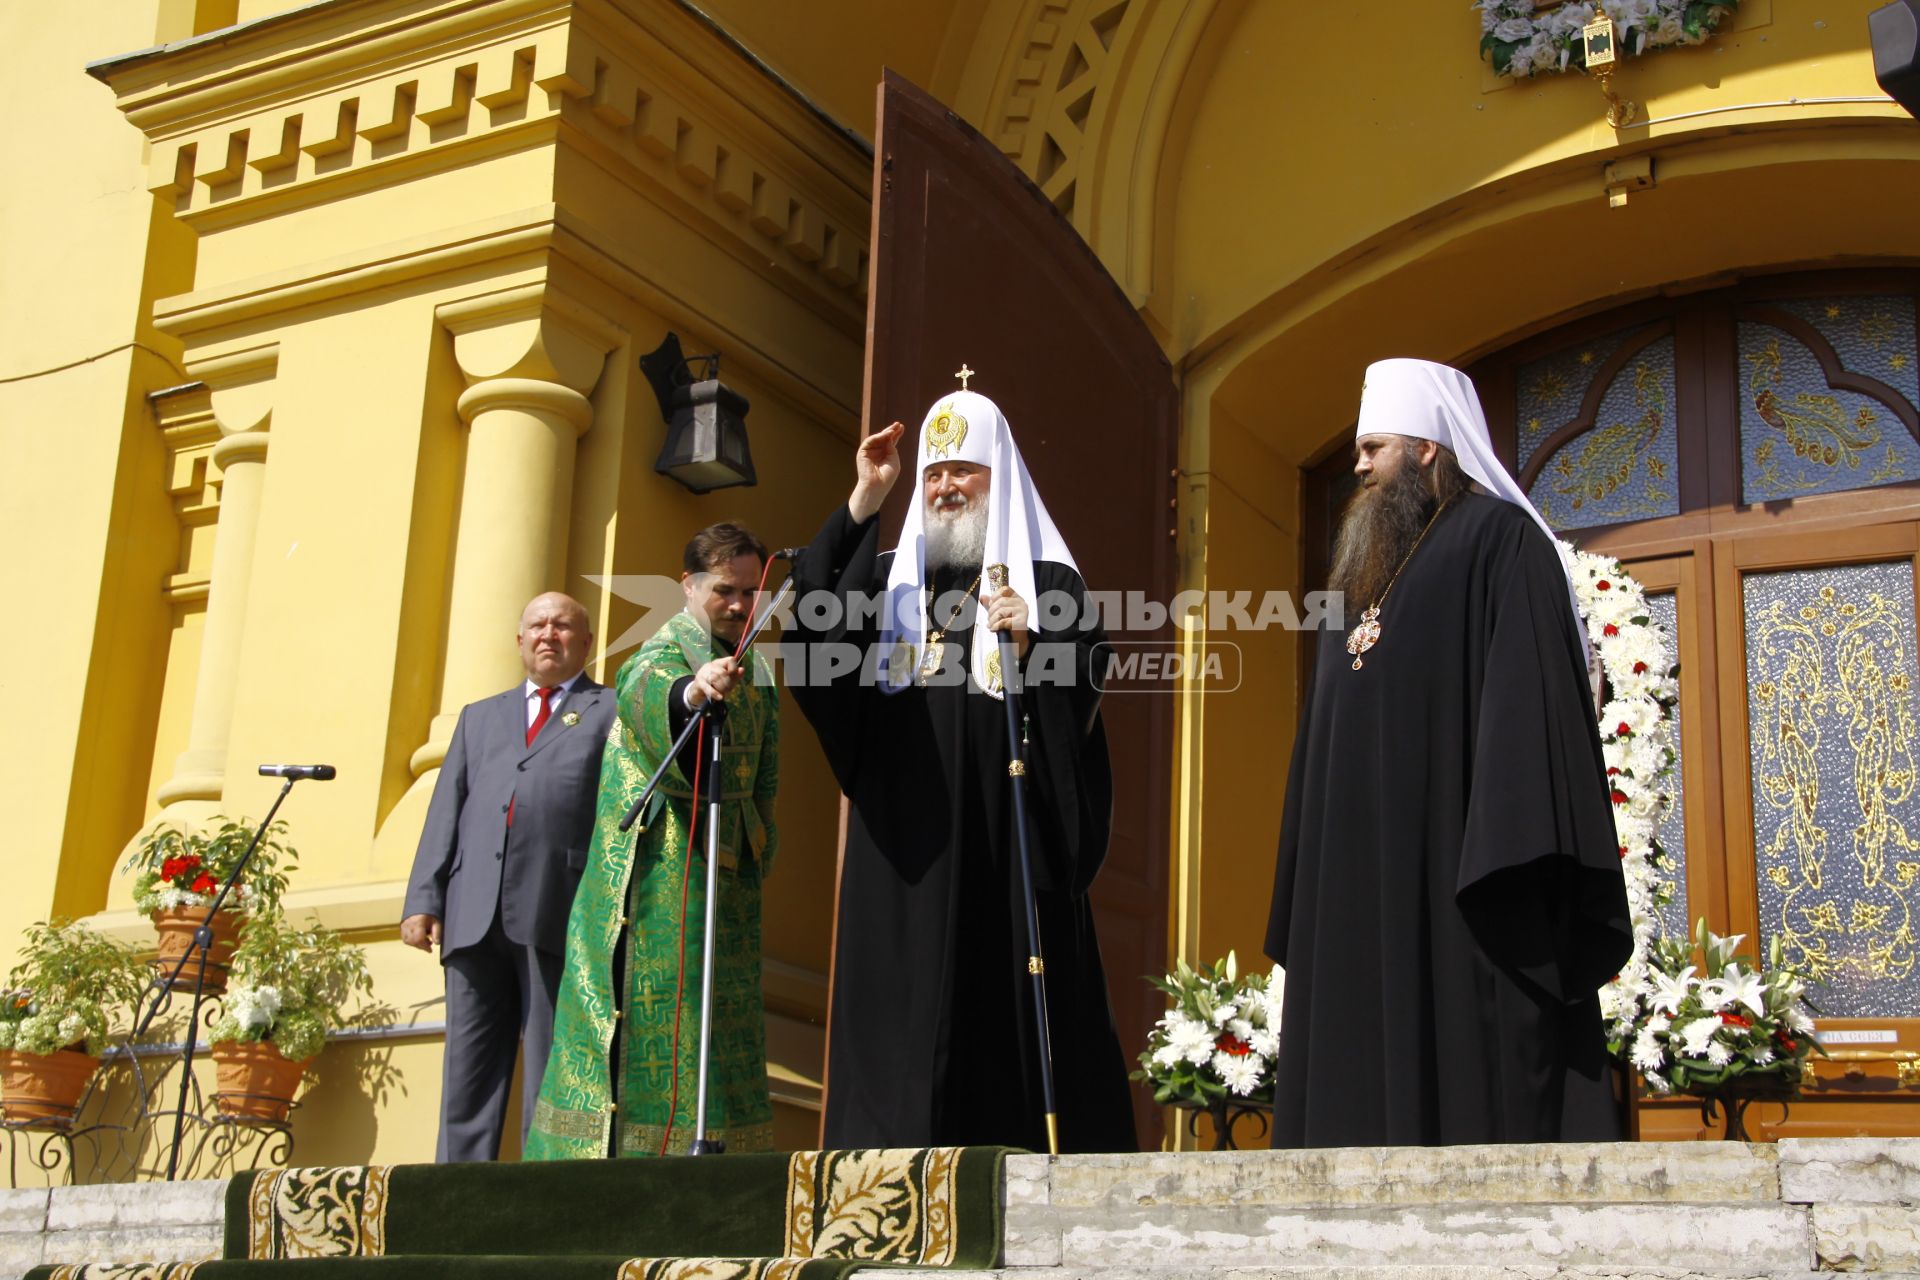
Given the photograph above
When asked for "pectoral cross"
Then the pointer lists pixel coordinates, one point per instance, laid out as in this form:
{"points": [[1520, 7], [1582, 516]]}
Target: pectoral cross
{"points": [[963, 373]]}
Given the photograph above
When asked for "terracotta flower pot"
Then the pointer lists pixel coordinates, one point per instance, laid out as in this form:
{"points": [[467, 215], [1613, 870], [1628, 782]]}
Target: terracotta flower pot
{"points": [[253, 1081], [44, 1086], [176, 926]]}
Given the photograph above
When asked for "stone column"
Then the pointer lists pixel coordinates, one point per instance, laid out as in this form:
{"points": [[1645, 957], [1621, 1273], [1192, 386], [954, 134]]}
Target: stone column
{"points": [[243, 408], [529, 371]]}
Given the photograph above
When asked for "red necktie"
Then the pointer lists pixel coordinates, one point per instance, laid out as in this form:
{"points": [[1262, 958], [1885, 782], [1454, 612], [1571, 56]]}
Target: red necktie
{"points": [[533, 731]]}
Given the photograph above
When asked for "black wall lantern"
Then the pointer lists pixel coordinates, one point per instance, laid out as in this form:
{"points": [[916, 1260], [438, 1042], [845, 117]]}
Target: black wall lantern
{"points": [[706, 446]]}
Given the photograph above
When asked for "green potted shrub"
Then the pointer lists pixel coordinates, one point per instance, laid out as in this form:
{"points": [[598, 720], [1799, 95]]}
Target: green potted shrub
{"points": [[288, 987], [178, 870], [63, 997]]}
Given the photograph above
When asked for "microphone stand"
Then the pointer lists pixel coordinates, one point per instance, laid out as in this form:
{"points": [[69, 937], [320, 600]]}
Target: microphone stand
{"points": [[713, 712], [1017, 771], [202, 946]]}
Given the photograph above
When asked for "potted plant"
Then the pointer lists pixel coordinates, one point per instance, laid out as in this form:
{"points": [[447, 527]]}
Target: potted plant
{"points": [[62, 998], [288, 987], [179, 870], [1724, 1031], [1214, 1049]]}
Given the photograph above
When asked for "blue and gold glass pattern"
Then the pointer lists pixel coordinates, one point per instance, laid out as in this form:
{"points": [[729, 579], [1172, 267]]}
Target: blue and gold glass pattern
{"points": [[1548, 392], [1831, 728], [1675, 919], [1627, 465], [1798, 435]]}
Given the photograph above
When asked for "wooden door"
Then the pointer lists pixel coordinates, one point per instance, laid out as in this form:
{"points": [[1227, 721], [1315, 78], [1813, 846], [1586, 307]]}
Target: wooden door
{"points": [[972, 265]]}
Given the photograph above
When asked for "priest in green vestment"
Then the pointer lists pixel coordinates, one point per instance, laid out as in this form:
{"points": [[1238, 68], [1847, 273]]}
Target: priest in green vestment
{"points": [[624, 1072]]}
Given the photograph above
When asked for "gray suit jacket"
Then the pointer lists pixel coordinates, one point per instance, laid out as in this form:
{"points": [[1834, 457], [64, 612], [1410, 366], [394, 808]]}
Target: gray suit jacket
{"points": [[466, 863]]}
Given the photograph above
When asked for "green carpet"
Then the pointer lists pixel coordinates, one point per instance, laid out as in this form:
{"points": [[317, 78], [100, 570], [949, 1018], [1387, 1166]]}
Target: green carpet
{"points": [[807, 1216]]}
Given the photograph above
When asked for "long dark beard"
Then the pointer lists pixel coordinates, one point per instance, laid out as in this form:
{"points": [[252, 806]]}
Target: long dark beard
{"points": [[1378, 530]]}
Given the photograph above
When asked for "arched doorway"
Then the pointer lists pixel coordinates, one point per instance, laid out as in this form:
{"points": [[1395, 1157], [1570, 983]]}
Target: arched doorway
{"points": [[1752, 455]]}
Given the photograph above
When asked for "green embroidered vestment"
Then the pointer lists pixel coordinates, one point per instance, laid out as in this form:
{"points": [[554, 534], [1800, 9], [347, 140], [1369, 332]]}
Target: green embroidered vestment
{"points": [[630, 901]]}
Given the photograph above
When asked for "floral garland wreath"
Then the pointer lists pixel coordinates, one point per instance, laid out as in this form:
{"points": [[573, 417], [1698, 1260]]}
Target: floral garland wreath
{"points": [[1524, 40], [1636, 737]]}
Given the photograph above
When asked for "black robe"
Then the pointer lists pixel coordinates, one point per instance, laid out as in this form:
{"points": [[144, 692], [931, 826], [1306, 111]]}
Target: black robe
{"points": [[932, 1038], [1448, 896]]}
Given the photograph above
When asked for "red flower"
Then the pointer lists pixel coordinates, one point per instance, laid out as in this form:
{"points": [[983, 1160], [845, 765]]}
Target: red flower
{"points": [[1789, 1043], [1232, 1044], [1609, 630], [204, 884], [1623, 853], [1639, 668], [1612, 769], [1735, 1020], [1603, 585], [1619, 797], [1624, 731], [174, 868]]}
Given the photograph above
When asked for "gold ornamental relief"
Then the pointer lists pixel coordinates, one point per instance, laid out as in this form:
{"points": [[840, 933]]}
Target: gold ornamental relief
{"points": [[1831, 689]]}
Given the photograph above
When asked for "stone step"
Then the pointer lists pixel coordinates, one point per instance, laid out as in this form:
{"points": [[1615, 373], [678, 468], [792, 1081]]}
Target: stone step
{"points": [[1411, 1271], [1677, 1209], [1574, 1173]]}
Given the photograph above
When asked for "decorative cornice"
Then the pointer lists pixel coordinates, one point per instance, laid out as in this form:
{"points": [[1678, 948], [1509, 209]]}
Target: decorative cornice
{"points": [[359, 94]]}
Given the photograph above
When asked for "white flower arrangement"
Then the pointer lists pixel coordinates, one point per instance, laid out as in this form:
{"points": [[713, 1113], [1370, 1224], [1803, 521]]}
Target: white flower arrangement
{"points": [[1680, 1029], [1219, 1039], [1525, 41]]}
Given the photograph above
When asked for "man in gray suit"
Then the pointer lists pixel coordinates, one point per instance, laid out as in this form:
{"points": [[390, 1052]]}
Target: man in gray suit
{"points": [[505, 842]]}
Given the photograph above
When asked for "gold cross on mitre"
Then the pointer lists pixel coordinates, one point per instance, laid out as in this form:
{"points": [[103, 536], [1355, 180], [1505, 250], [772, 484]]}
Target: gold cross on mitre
{"points": [[963, 373]]}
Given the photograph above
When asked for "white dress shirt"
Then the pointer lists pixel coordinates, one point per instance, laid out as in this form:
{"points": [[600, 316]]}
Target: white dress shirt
{"points": [[532, 696]]}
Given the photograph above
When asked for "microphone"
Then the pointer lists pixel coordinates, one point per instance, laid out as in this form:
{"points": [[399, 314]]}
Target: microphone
{"points": [[788, 553], [317, 772]]}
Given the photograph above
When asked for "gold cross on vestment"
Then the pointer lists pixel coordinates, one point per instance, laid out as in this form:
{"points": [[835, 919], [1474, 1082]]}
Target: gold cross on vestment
{"points": [[650, 998], [963, 373], [657, 1070]]}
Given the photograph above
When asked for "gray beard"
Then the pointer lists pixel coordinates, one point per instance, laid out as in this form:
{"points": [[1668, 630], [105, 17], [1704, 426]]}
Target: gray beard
{"points": [[1378, 530], [956, 539]]}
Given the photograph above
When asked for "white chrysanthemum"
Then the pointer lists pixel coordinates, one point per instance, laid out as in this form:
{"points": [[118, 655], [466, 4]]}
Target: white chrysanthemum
{"points": [[1176, 1019], [1194, 1042], [1659, 1024], [1697, 1035], [1648, 1053], [1167, 1055], [1638, 714], [1797, 1019], [1240, 1029], [1763, 1055], [1265, 1042], [1225, 1013], [1718, 1053], [1240, 1074]]}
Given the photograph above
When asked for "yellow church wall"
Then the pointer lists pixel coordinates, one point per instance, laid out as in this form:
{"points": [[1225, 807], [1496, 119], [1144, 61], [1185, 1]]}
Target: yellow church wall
{"points": [[84, 488], [1406, 121]]}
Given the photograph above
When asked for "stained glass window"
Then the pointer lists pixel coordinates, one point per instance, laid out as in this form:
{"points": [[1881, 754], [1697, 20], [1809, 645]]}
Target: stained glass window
{"points": [[1549, 391], [1800, 436], [1627, 465], [1830, 705], [1676, 920]]}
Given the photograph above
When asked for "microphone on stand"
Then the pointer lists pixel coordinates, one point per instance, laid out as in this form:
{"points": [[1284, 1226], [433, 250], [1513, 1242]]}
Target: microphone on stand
{"points": [[788, 553], [317, 772]]}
